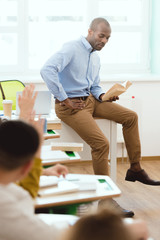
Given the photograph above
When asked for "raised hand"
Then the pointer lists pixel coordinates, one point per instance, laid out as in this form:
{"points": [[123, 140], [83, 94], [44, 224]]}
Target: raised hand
{"points": [[26, 102]]}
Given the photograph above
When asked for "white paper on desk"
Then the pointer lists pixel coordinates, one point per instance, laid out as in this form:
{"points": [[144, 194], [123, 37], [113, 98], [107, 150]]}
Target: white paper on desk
{"points": [[63, 187], [47, 181], [87, 185], [84, 184]]}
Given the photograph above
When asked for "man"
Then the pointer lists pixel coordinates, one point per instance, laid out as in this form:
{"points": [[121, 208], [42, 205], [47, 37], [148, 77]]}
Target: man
{"points": [[72, 76]]}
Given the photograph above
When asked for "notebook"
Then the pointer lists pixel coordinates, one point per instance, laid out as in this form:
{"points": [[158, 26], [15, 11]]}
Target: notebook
{"points": [[42, 104], [47, 181], [61, 188]]}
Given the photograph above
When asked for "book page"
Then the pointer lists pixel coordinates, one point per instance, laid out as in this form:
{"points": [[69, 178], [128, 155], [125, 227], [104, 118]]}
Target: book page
{"points": [[126, 84], [116, 90]]}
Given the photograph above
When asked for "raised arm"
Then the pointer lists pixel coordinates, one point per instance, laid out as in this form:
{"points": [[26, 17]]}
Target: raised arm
{"points": [[26, 102]]}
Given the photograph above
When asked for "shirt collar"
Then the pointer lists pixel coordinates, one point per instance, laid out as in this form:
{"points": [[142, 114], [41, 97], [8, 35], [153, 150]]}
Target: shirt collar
{"points": [[86, 44]]}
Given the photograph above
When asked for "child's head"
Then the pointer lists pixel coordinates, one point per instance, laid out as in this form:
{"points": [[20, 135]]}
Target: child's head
{"points": [[19, 142], [105, 225]]}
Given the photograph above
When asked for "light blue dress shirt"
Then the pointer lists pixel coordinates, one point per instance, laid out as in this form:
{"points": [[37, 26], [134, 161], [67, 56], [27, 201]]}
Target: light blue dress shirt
{"points": [[73, 71]]}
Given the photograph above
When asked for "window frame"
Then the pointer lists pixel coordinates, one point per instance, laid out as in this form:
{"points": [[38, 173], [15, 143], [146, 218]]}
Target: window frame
{"points": [[22, 67]]}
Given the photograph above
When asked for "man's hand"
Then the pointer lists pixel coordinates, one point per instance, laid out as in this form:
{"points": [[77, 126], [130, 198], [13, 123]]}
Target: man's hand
{"points": [[111, 99], [56, 170], [26, 102], [73, 104]]}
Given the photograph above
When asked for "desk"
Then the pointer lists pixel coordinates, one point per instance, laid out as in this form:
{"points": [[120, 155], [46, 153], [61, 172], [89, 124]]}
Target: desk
{"points": [[105, 189], [51, 134], [50, 157], [53, 122]]}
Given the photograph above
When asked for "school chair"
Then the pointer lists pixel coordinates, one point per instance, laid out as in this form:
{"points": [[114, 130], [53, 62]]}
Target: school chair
{"points": [[8, 90]]}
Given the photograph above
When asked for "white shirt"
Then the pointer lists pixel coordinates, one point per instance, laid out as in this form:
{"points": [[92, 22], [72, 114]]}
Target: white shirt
{"points": [[17, 218]]}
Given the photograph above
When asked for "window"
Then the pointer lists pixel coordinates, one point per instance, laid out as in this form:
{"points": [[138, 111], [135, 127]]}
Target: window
{"points": [[32, 30]]}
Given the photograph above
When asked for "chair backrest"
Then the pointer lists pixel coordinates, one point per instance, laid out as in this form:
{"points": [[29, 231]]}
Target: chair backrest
{"points": [[10, 87]]}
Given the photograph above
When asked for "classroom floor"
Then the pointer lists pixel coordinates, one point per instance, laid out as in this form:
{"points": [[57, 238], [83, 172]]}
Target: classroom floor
{"points": [[142, 199]]}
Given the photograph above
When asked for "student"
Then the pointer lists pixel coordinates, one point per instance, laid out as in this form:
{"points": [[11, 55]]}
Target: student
{"points": [[19, 144], [106, 225], [26, 103], [72, 76]]}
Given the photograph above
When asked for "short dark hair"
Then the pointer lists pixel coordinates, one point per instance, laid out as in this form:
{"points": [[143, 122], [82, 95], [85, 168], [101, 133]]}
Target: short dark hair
{"points": [[19, 142], [104, 225], [95, 22]]}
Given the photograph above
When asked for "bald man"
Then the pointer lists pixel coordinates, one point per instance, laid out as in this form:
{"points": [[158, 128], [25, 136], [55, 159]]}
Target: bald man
{"points": [[72, 76]]}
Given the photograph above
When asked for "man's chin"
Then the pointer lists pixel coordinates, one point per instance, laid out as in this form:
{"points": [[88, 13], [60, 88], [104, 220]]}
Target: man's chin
{"points": [[98, 48]]}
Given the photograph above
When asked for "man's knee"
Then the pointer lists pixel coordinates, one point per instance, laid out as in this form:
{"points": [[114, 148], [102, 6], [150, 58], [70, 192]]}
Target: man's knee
{"points": [[101, 145], [132, 118]]}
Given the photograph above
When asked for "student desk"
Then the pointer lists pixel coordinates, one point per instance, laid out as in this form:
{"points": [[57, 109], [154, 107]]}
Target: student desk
{"points": [[50, 157], [51, 134], [52, 121], [105, 188]]}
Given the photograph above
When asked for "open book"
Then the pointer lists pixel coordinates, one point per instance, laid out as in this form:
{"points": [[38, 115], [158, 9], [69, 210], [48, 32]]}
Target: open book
{"points": [[116, 90]]}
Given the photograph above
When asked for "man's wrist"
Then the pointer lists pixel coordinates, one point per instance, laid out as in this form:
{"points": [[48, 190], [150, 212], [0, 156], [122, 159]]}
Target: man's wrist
{"points": [[100, 97]]}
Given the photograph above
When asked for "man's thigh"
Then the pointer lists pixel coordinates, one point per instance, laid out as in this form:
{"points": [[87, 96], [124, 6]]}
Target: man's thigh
{"points": [[84, 124], [112, 111]]}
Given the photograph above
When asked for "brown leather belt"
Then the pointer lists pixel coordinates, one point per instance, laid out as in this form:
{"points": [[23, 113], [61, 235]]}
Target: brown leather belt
{"points": [[78, 98]]}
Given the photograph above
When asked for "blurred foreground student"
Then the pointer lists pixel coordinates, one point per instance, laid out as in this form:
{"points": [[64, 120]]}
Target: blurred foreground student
{"points": [[19, 144], [107, 225]]}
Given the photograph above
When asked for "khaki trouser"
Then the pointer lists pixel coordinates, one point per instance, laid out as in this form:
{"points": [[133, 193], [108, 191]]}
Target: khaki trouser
{"points": [[83, 122]]}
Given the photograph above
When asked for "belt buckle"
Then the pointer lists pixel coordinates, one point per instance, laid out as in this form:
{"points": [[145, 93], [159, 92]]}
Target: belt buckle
{"points": [[84, 98]]}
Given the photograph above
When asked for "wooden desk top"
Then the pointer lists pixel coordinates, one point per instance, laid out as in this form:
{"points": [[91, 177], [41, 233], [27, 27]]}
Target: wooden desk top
{"points": [[105, 188], [53, 122]]}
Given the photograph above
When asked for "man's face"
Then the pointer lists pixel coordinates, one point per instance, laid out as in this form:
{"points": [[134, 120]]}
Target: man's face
{"points": [[99, 37]]}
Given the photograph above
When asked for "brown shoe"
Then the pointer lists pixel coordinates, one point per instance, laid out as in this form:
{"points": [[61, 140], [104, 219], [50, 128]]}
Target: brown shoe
{"points": [[140, 176]]}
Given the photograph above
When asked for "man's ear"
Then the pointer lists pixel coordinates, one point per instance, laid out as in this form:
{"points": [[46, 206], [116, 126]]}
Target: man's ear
{"points": [[90, 32], [26, 168]]}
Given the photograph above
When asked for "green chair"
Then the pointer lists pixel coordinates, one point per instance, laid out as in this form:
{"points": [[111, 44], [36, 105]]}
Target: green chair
{"points": [[10, 88]]}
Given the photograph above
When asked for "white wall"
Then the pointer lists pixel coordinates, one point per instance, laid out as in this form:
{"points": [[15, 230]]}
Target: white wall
{"points": [[147, 105]]}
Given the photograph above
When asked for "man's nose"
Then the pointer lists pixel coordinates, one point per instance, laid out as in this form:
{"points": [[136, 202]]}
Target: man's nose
{"points": [[104, 41]]}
